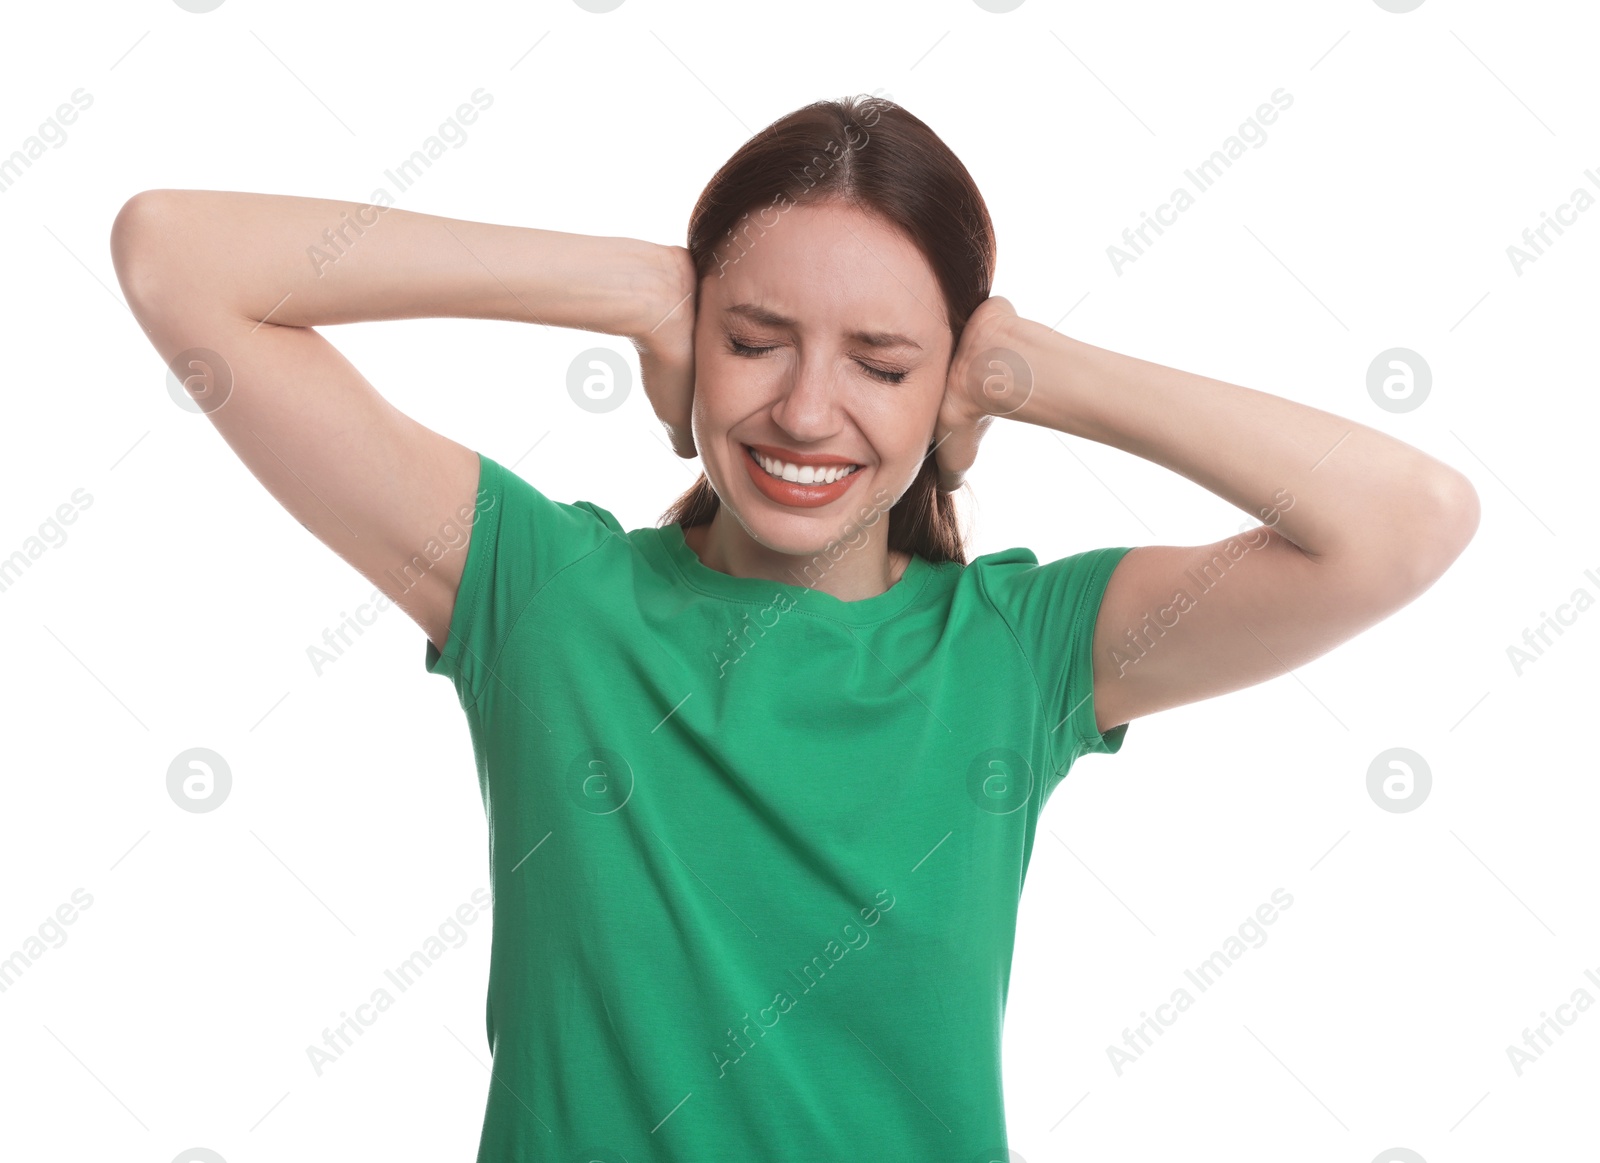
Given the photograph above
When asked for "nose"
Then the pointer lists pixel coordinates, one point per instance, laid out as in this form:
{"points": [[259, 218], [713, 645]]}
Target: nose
{"points": [[808, 411]]}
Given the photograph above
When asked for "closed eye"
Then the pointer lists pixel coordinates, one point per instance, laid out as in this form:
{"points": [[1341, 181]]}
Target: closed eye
{"points": [[881, 374], [741, 349]]}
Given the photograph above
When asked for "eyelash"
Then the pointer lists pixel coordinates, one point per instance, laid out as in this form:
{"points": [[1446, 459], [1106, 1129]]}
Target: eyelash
{"points": [[879, 374]]}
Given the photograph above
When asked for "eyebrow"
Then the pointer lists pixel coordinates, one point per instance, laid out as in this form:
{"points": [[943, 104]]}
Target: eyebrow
{"points": [[759, 314]]}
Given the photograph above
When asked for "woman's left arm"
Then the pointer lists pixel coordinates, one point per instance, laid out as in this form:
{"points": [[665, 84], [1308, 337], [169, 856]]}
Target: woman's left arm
{"points": [[1355, 524]]}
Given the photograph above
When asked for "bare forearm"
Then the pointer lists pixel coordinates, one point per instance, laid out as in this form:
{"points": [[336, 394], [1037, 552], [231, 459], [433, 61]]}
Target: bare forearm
{"points": [[311, 261], [1340, 491]]}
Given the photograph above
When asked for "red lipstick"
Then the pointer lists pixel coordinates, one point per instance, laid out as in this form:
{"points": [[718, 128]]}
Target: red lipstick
{"points": [[792, 493]]}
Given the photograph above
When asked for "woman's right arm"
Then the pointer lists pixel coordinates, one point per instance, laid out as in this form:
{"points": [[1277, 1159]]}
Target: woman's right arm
{"points": [[248, 277]]}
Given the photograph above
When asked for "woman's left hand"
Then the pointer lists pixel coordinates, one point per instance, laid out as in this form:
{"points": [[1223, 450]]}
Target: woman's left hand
{"points": [[981, 384]]}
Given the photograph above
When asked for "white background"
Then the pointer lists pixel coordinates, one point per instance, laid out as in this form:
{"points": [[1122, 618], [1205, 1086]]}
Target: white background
{"points": [[178, 612]]}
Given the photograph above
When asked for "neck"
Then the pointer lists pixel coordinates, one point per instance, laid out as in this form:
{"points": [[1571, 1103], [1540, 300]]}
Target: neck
{"points": [[862, 567]]}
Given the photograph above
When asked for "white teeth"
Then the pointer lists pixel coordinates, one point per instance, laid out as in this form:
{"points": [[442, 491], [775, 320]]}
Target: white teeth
{"points": [[802, 474]]}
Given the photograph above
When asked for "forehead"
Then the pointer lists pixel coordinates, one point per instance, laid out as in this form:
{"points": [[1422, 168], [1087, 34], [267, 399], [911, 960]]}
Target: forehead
{"points": [[825, 266]]}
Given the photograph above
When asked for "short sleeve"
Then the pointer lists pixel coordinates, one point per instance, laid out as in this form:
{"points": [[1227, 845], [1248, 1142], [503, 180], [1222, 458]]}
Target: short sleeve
{"points": [[1051, 610], [520, 539]]}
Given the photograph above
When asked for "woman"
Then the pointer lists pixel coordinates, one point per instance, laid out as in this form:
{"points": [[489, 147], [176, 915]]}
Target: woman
{"points": [[762, 782]]}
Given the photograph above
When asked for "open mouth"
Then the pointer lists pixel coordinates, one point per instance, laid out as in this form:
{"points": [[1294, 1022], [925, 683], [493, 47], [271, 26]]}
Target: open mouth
{"points": [[802, 474]]}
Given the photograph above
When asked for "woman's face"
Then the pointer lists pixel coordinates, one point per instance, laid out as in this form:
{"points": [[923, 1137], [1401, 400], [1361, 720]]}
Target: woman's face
{"points": [[822, 336]]}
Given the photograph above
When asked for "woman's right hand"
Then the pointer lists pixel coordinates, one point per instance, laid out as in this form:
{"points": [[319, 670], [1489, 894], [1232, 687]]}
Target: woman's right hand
{"points": [[665, 344]]}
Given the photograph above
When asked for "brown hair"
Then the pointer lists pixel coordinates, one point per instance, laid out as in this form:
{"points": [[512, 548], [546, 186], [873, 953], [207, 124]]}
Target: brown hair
{"points": [[900, 171]]}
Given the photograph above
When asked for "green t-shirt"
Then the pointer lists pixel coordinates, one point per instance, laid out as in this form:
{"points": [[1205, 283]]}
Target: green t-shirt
{"points": [[756, 852]]}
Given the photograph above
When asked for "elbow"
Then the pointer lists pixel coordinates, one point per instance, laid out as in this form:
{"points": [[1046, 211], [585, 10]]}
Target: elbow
{"points": [[1445, 525], [1460, 512], [137, 245], [1454, 516], [1418, 544]]}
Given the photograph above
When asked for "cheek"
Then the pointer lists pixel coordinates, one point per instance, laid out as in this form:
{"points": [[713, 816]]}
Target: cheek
{"points": [[720, 403], [902, 425], [711, 386]]}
